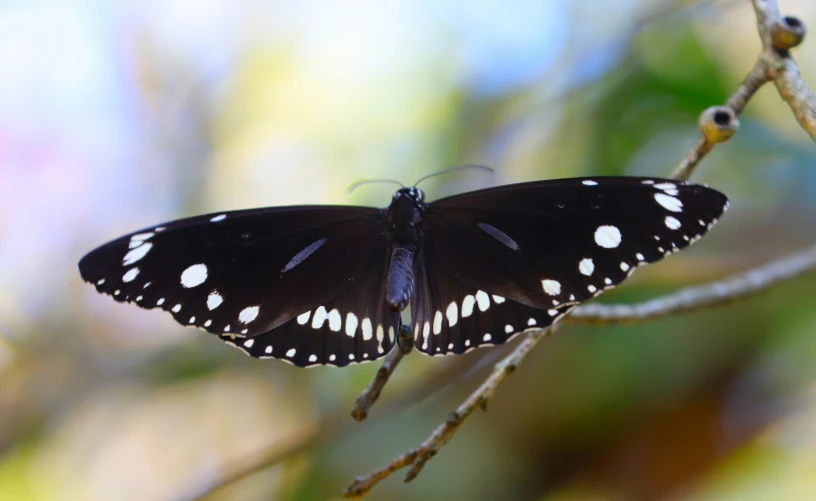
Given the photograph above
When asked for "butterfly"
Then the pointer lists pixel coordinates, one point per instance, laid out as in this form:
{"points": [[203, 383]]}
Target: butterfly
{"points": [[325, 285]]}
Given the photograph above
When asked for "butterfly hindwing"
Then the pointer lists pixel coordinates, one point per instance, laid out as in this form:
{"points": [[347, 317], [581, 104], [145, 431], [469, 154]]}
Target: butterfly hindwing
{"points": [[451, 317], [354, 327]]}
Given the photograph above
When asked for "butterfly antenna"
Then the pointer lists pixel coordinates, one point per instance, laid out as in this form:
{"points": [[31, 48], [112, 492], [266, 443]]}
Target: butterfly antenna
{"points": [[452, 169], [354, 186]]}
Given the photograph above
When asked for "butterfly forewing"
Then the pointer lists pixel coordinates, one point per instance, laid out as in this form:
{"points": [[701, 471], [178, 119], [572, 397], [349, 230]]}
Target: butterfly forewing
{"points": [[243, 272]]}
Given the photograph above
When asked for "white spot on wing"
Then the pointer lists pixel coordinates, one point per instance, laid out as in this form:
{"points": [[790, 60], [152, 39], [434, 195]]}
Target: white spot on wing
{"points": [[368, 330], [335, 322], [249, 342], [592, 288], [268, 349], [214, 300], [208, 323], [508, 328], [664, 186], [176, 308], [312, 358], [217, 218], [608, 237], [351, 324], [487, 337], [586, 266], [248, 314], [672, 223], [437, 322], [100, 281], [498, 299], [130, 275], [192, 320], [291, 352], [426, 329], [467, 305], [141, 237], [319, 317], [532, 321], [304, 317], [194, 275], [332, 357], [552, 313], [640, 257], [482, 300], [380, 333], [452, 313], [136, 254], [588, 182], [624, 266], [669, 202], [551, 287]]}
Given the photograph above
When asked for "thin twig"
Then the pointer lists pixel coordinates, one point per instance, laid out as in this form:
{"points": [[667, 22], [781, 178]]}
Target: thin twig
{"points": [[702, 296], [416, 458], [756, 78], [364, 402]]}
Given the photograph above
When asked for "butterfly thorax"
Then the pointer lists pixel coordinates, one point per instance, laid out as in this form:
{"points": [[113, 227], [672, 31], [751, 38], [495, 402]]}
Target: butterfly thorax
{"points": [[404, 217]]}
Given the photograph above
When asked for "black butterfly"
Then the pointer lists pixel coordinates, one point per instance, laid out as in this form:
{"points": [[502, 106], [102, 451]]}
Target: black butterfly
{"points": [[325, 284]]}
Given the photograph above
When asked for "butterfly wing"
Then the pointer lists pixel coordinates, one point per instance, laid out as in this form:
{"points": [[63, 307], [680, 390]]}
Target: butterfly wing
{"points": [[526, 254], [355, 326], [251, 273]]}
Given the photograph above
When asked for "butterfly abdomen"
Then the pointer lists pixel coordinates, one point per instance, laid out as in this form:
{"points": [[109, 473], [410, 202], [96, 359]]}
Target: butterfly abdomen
{"points": [[399, 286]]}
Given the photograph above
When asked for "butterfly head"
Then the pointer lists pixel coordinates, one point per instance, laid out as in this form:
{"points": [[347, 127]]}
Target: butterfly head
{"points": [[413, 193]]}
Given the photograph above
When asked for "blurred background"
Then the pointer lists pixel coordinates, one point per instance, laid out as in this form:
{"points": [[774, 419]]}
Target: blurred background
{"points": [[119, 115]]}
